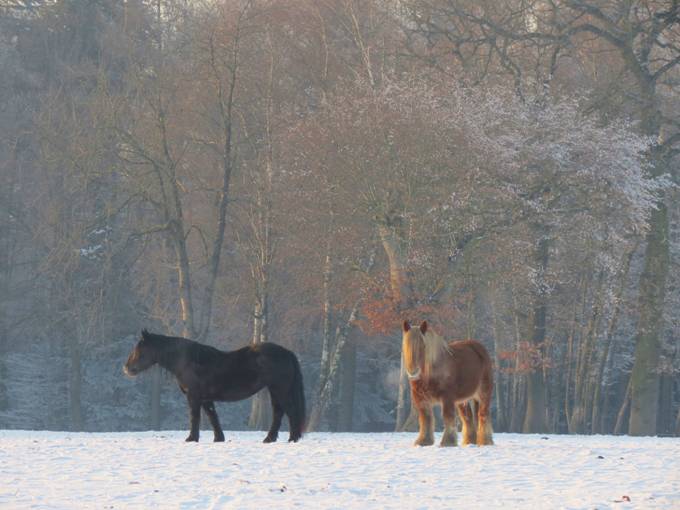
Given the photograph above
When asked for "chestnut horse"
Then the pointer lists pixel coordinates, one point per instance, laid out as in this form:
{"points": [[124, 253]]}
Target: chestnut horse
{"points": [[450, 375]]}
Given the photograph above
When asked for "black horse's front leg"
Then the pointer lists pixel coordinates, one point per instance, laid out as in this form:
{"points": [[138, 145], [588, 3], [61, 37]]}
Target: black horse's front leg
{"points": [[209, 408], [195, 417]]}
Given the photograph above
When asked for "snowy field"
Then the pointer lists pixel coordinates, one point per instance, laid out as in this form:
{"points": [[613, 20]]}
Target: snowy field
{"points": [[343, 471]]}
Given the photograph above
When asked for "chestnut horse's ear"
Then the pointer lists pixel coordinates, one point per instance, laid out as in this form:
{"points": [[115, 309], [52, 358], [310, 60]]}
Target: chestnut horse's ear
{"points": [[423, 327], [407, 326]]}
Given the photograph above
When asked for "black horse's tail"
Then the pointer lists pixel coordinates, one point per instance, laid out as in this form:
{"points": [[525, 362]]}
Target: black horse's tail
{"points": [[298, 417]]}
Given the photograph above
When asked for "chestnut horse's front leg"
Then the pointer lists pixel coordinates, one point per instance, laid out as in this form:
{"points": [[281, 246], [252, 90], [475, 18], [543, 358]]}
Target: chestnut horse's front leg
{"points": [[195, 417], [449, 438], [426, 423]]}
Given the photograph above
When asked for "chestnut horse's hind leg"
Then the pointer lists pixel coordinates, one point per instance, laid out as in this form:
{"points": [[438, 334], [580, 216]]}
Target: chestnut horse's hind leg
{"points": [[468, 431], [449, 438], [209, 408], [484, 428], [426, 422]]}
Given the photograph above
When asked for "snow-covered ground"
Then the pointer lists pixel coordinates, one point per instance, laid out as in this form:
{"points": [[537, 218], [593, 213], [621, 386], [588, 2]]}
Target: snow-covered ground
{"points": [[343, 471]]}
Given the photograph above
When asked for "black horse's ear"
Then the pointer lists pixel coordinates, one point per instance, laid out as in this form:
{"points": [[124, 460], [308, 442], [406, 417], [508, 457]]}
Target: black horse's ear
{"points": [[407, 326], [423, 327], [145, 333]]}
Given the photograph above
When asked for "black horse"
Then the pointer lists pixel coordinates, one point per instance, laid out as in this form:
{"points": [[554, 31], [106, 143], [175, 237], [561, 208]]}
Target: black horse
{"points": [[206, 374]]}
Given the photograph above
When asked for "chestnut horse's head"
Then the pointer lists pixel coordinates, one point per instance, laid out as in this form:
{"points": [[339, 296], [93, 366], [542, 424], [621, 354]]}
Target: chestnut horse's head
{"points": [[422, 348], [413, 348], [143, 356]]}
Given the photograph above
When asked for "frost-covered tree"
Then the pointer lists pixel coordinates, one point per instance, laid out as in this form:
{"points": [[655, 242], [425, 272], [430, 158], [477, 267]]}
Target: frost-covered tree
{"points": [[532, 42], [421, 162]]}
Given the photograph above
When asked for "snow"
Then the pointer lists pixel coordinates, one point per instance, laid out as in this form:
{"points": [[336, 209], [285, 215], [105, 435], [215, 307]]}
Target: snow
{"points": [[58, 470]]}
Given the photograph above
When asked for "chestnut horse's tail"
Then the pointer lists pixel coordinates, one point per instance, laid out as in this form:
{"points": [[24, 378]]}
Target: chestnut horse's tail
{"points": [[297, 415]]}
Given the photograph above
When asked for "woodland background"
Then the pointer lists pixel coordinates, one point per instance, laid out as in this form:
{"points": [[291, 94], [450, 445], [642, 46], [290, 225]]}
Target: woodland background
{"points": [[311, 172]]}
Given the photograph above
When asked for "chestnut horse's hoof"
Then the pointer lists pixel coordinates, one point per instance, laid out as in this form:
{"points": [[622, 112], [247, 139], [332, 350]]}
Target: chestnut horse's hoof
{"points": [[424, 442]]}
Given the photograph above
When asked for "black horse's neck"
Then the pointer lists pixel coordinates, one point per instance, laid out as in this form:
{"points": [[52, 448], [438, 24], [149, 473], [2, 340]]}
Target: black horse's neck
{"points": [[169, 350]]}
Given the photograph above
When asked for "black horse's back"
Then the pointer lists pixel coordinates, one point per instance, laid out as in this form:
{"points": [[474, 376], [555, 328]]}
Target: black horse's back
{"points": [[206, 374]]}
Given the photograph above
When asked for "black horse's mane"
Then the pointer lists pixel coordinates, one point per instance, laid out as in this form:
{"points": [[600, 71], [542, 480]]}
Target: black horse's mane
{"points": [[196, 351]]}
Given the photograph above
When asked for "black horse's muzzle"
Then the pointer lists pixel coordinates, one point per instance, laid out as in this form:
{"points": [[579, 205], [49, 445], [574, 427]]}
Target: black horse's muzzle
{"points": [[131, 371]]}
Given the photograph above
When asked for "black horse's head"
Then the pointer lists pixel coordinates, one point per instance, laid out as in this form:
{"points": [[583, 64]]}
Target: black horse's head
{"points": [[143, 356]]}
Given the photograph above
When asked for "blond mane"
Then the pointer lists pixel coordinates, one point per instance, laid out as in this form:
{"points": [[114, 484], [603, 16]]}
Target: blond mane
{"points": [[435, 347]]}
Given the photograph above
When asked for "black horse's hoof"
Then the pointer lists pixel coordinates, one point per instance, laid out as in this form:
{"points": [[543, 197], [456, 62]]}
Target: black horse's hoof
{"points": [[219, 439], [293, 439], [270, 439], [191, 439]]}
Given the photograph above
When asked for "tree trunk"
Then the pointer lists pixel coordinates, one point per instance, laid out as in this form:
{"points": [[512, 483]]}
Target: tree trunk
{"points": [[260, 411], [518, 403], [328, 401], [402, 295], [621, 416], [4, 291], [4, 397], [226, 108], [75, 386], [583, 381], [569, 362], [327, 315], [407, 416], [330, 390], [156, 385], [664, 419], [393, 246], [597, 421], [326, 346], [645, 376], [500, 421], [535, 417], [345, 419], [184, 282], [402, 398]]}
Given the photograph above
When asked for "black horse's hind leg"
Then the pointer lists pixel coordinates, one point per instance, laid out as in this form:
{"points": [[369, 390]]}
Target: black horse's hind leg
{"points": [[295, 426], [277, 415], [293, 423], [195, 416], [209, 408]]}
